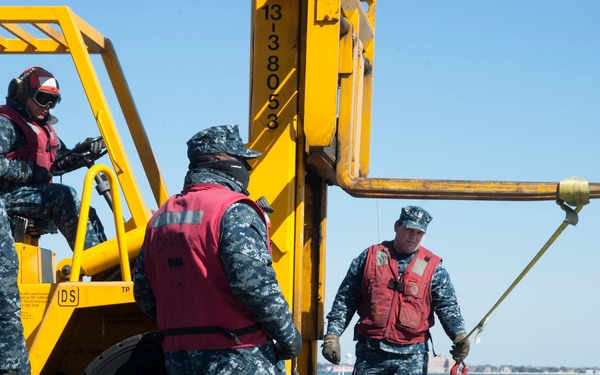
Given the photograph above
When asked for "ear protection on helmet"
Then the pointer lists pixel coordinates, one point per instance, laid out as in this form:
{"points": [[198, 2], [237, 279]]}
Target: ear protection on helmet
{"points": [[18, 88]]}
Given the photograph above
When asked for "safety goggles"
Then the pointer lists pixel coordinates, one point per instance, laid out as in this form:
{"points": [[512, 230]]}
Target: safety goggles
{"points": [[45, 99]]}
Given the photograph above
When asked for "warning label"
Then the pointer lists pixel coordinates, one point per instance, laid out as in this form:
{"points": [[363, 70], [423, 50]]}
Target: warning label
{"points": [[34, 299]]}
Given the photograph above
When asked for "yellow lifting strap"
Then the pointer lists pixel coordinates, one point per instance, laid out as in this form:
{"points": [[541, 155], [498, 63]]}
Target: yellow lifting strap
{"points": [[574, 192]]}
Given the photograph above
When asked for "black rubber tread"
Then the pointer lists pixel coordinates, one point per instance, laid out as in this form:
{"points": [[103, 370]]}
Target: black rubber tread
{"points": [[138, 354]]}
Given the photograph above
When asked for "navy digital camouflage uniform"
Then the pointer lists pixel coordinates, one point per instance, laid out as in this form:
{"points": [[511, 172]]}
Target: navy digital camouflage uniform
{"points": [[380, 356], [248, 268], [13, 351], [19, 196], [56, 202]]}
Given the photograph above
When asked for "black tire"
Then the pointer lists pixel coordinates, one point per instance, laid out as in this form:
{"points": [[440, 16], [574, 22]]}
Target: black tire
{"points": [[139, 354]]}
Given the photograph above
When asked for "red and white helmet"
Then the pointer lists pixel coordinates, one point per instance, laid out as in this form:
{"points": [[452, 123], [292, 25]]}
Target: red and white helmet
{"points": [[37, 83], [38, 78]]}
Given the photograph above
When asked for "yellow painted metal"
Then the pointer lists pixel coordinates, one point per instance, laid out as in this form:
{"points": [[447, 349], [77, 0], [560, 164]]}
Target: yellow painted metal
{"points": [[61, 302], [123, 254], [311, 80], [140, 213], [30, 264], [320, 72], [134, 123], [34, 301], [104, 256], [278, 70], [274, 86], [354, 127], [44, 19], [55, 318], [274, 130], [363, 26], [67, 324]]}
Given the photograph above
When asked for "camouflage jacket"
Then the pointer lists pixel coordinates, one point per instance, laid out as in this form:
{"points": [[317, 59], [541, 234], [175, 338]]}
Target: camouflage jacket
{"points": [[348, 297]]}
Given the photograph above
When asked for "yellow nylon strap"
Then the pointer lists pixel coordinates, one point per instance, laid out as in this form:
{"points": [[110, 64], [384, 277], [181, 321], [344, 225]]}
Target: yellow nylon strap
{"points": [[573, 191]]}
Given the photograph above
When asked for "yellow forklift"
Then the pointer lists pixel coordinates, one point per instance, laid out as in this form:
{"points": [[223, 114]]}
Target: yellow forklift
{"points": [[312, 68]]}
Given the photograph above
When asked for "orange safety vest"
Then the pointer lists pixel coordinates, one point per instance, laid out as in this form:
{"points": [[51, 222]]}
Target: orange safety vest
{"points": [[397, 309], [196, 309]]}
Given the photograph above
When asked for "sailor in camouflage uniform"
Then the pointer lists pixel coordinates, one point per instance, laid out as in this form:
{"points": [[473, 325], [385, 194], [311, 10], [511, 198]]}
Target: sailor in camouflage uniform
{"points": [[28, 148], [396, 304], [13, 351], [205, 269]]}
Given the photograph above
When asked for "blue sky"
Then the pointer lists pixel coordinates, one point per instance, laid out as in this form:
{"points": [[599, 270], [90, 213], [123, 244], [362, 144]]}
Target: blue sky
{"points": [[468, 90]]}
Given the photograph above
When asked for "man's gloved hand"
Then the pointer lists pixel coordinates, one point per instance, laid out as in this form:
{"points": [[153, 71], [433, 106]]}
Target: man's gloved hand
{"points": [[331, 348], [95, 147], [87, 145], [291, 350], [68, 163], [460, 348], [40, 175]]}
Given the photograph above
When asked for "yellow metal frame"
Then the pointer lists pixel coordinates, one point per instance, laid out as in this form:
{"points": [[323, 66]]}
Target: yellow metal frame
{"points": [[49, 309], [354, 81], [63, 299], [66, 33], [321, 55], [56, 304], [82, 226]]}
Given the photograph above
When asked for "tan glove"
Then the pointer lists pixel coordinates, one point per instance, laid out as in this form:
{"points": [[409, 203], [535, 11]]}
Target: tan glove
{"points": [[460, 348], [331, 349]]}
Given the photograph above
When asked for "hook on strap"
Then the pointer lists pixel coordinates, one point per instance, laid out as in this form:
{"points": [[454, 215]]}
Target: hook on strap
{"points": [[456, 366]]}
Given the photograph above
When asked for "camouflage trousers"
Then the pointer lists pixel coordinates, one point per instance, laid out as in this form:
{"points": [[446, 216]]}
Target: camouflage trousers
{"points": [[55, 202], [379, 362], [258, 360], [13, 350]]}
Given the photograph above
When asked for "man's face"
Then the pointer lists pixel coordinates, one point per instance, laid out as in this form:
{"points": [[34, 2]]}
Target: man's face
{"points": [[36, 111], [407, 240]]}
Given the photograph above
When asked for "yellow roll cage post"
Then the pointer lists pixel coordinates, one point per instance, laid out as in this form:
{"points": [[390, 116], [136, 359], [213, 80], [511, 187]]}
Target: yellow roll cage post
{"points": [[63, 330]]}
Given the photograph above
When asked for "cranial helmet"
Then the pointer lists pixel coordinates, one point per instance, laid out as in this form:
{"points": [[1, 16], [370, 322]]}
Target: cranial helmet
{"points": [[38, 83]]}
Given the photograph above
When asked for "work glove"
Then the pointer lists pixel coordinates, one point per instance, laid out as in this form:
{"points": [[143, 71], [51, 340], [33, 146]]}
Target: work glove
{"points": [[331, 348], [82, 155], [460, 348], [93, 147], [291, 350], [69, 164], [40, 175]]}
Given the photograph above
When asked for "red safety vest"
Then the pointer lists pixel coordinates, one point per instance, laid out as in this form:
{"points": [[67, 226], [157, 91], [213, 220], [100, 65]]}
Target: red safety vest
{"points": [[396, 309], [42, 141], [195, 306]]}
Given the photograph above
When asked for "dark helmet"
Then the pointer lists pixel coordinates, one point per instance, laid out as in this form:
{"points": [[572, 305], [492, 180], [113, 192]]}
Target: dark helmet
{"points": [[37, 83]]}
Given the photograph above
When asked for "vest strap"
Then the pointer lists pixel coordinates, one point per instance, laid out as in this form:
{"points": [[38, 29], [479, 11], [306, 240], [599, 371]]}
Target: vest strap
{"points": [[232, 334], [396, 285]]}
